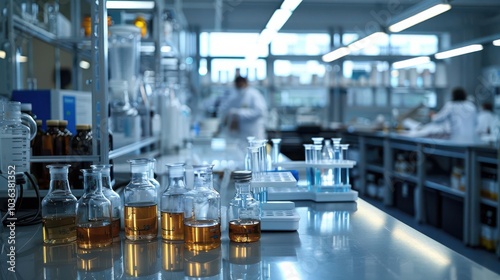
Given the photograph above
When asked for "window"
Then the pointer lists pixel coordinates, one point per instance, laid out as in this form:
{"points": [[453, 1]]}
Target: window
{"points": [[309, 72], [300, 44], [224, 70], [410, 44], [230, 44]]}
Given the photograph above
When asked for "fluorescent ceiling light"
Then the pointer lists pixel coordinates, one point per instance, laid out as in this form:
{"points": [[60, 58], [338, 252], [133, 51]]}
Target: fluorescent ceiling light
{"points": [[411, 62], [147, 49], [84, 64], [136, 5], [290, 5], [459, 51], [419, 17], [278, 19], [336, 54], [2, 54], [496, 43], [22, 58], [166, 49], [266, 36], [366, 41]]}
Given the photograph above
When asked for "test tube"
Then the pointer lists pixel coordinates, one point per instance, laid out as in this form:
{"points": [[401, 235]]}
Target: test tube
{"points": [[248, 165], [317, 171], [308, 148], [337, 156], [275, 151], [258, 193], [344, 148], [317, 140]]}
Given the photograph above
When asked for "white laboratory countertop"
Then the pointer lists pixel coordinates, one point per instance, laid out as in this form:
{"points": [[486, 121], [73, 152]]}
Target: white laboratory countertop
{"points": [[334, 241]]}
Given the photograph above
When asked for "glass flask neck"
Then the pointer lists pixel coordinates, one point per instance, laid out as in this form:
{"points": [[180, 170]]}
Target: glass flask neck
{"points": [[203, 177], [139, 169], [92, 181], [59, 178], [105, 175], [242, 187]]}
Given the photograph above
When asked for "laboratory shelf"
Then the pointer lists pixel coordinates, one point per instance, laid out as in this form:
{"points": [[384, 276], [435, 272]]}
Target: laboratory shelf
{"points": [[375, 168], [444, 188], [403, 146], [70, 158], [133, 147], [489, 202], [406, 177], [490, 160], [437, 151]]}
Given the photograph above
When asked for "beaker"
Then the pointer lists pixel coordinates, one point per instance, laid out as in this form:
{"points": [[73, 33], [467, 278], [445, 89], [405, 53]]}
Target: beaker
{"points": [[59, 208], [113, 197], [93, 213], [141, 207], [202, 212], [124, 57]]}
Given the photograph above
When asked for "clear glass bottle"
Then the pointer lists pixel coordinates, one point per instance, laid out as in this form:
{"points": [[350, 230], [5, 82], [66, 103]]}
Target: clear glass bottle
{"points": [[172, 204], [244, 211], [93, 213], [202, 212], [113, 197], [153, 181], [59, 208], [141, 207], [14, 136]]}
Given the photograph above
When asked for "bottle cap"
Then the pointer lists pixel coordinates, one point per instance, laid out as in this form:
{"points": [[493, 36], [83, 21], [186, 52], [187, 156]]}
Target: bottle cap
{"points": [[39, 122], [83, 126], [242, 175], [52, 122], [63, 123]]}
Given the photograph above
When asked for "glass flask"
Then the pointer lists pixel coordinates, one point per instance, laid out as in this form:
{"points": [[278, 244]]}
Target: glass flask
{"points": [[113, 197], [59, 208], [141, 216], [202, 212], [93, 213], [153, 181], [244, 211], [172, 204]]}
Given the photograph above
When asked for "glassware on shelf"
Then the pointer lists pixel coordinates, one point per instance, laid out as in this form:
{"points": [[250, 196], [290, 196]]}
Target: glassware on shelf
{"points": [[244, 214], [275, 151], [113, 197], [59, 208], [64, 140], [141, 207], [172, 204], [202, 212], [93, 213]]}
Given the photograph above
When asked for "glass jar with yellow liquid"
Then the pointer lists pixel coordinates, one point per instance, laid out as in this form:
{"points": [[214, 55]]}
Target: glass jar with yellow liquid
{"points": [[244, 210], [93, 213], [140, 196], [202, 212], [172, 204], [59, 208]]}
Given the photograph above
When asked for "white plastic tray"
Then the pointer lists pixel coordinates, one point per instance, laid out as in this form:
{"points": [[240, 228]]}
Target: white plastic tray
{"points": [[298, 193], [279, 216], [275, 179]]}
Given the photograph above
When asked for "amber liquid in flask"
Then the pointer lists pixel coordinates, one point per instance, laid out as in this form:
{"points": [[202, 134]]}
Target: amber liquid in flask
{"points": [[141, 221], [244, 230], [202, 235], [90, 236], [115, 228], [59, 229], [172, 226]]}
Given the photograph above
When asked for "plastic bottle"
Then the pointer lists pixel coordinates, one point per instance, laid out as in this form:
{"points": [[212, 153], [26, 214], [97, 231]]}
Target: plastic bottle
{"points": [[93, 213], [14, 136], [202, 212], [59, 208], [141, 207], [244, 213], [172, 204], [113, 197]]}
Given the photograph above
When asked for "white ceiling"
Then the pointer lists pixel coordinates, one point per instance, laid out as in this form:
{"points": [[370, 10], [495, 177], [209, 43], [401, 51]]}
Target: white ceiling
{"points": [[346, 15]]}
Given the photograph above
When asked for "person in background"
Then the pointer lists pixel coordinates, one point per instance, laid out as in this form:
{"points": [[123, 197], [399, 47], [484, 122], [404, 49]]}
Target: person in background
{"points": [[485, 119], [244, 112], [460, 114]]}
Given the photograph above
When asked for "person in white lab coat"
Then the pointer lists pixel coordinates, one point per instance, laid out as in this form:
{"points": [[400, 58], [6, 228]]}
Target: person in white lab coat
{"points": [[244, 112], [461, 115], [485, 120]]}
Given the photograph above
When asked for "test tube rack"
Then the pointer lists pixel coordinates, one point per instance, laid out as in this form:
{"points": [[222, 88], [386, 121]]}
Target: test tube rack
{"points": [[326, 194]]}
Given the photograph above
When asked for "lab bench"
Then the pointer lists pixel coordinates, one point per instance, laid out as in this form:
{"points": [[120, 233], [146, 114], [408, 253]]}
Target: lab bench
{"points": [[465, 205], [334, 241]]}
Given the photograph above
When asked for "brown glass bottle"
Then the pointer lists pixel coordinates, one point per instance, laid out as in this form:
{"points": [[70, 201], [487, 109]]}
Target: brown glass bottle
{"points": [[36, 148], [81, 145], [65, 138]]}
